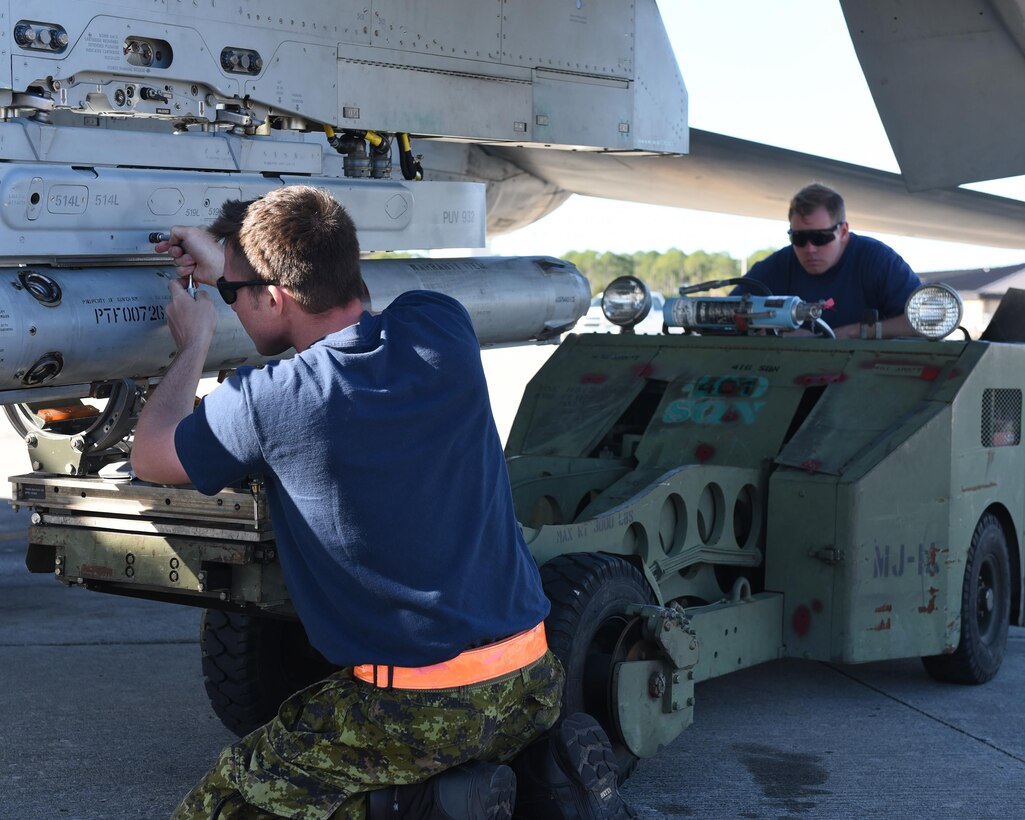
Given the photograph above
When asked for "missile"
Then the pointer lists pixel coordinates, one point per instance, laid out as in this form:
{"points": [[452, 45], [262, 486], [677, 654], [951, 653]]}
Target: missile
{"points": [[65, 330]]}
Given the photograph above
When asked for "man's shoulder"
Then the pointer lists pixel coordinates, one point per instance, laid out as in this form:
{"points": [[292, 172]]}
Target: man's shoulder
{"points": [[424, 314], [870, 246], [424, 298]]}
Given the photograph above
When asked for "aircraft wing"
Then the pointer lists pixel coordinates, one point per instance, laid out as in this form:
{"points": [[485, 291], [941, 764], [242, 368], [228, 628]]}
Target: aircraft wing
{"points": [[730, 175], [948, 78]]}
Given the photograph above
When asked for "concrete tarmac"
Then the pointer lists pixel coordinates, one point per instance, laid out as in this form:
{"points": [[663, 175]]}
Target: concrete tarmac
{"points": [[103, 714]]}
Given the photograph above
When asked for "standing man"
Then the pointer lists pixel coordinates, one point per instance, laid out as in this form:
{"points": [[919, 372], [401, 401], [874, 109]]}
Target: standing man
{"points": [[826, 261], [392, 514]]}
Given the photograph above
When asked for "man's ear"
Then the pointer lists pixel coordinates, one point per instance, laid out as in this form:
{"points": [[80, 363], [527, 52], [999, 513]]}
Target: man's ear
{"points": [[278, 297]]}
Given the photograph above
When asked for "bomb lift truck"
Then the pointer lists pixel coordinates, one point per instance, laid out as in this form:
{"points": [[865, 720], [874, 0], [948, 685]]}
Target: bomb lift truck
{"points": [[698, 501]]}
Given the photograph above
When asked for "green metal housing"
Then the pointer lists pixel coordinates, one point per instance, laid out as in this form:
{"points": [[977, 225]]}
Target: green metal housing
{"points": [[845, 477]]}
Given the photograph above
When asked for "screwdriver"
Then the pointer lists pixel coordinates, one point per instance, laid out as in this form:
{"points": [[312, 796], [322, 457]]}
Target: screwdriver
{"points": [[162, 236]]}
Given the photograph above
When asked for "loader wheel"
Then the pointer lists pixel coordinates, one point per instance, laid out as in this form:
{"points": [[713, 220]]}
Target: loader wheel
{"points": [[252, 664], [589, 632], [985, 610]]}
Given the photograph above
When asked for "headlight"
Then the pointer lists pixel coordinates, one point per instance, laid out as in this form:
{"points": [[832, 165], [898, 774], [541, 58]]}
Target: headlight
{"points": [[934, 310], [626, 301]]}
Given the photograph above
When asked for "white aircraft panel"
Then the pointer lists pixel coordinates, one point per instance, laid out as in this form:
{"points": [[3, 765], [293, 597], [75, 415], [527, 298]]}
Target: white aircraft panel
{"points": [[416, 26], [578, 36]]}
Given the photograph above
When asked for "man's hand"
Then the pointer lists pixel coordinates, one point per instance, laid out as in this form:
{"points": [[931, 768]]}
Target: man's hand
{"points": [[195, 253], [191, 321]]}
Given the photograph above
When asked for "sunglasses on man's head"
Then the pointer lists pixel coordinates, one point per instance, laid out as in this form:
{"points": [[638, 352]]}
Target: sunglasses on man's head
{"points": [[818, 237], [229, 290]]}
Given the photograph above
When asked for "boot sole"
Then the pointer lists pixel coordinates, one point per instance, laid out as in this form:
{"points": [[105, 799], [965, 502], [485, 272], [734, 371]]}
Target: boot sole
{"points": [[501, 798], [584, 749]]}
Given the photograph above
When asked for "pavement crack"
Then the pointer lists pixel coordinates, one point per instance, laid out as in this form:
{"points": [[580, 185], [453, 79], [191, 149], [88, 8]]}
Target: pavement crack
{"points": [[925, 714]]}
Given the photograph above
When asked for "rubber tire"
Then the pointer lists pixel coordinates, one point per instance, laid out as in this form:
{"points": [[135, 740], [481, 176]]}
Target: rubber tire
{"points": [[588, 591], [252, 664], [980, 651]]}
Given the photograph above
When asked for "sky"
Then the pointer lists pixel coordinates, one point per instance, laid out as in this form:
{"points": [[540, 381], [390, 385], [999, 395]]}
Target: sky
{"points": [[783, 73]]}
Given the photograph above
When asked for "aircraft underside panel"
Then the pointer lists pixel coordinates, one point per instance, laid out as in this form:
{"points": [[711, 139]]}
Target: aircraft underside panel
{"points": [[530, 72]]}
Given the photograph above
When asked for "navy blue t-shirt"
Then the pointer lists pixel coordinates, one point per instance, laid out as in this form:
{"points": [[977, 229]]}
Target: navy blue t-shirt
{"points": [[869, 275], [387, 485]]}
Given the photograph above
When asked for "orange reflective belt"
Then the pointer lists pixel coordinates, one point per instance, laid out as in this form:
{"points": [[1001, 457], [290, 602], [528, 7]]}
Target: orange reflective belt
{"points": [[472, 666]]}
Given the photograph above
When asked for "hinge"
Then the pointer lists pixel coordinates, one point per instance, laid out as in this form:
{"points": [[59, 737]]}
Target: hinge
{"points": [[830, 555]]}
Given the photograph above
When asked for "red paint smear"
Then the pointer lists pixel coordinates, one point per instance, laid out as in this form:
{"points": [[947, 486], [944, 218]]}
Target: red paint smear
{"points": [[594, 378], [644, 371], [931, 608], [730, 415], [812, 465], [882, 626], [885, 608], [728, 388], [816, 606], [929, 374], [817, 379], [703, 452], [802, 620]]}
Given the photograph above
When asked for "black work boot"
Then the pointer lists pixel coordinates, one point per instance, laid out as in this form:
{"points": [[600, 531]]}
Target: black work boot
{"points": [[570, 775], [475, 791]]}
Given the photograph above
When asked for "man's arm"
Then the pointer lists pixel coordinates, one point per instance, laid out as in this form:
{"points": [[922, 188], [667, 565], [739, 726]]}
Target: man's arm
{"points": [[192, 323], [892, 328]]}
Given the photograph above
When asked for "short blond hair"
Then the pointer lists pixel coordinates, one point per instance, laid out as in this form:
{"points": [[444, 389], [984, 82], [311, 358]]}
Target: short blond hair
{"points": [[299, 237]]}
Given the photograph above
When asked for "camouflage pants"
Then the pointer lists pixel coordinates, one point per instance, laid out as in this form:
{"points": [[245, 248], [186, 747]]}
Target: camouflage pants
{"points": [[336, 740]]}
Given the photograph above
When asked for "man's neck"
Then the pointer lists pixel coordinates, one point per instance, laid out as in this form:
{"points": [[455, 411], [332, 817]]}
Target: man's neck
{"points": [[309, 327]]}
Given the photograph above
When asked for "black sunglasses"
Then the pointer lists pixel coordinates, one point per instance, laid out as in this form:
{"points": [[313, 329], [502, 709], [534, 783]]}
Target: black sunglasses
{"points": [[229, 290], [818, 237]]}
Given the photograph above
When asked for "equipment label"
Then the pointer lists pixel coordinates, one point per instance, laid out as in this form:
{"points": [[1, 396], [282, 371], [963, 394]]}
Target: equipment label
{"points": [[31, 492], [129, 314], [67, 199]]}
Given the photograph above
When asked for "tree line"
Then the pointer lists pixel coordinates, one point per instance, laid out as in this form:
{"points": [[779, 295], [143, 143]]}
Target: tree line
{"points": [[665, 272]]}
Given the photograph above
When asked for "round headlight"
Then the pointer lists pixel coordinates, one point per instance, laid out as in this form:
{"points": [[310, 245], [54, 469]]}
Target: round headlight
{"points": [[626, 301], [934, 310]]}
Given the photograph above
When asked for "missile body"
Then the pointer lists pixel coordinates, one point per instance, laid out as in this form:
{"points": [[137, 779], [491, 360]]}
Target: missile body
{"points": [[63, 330]]}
